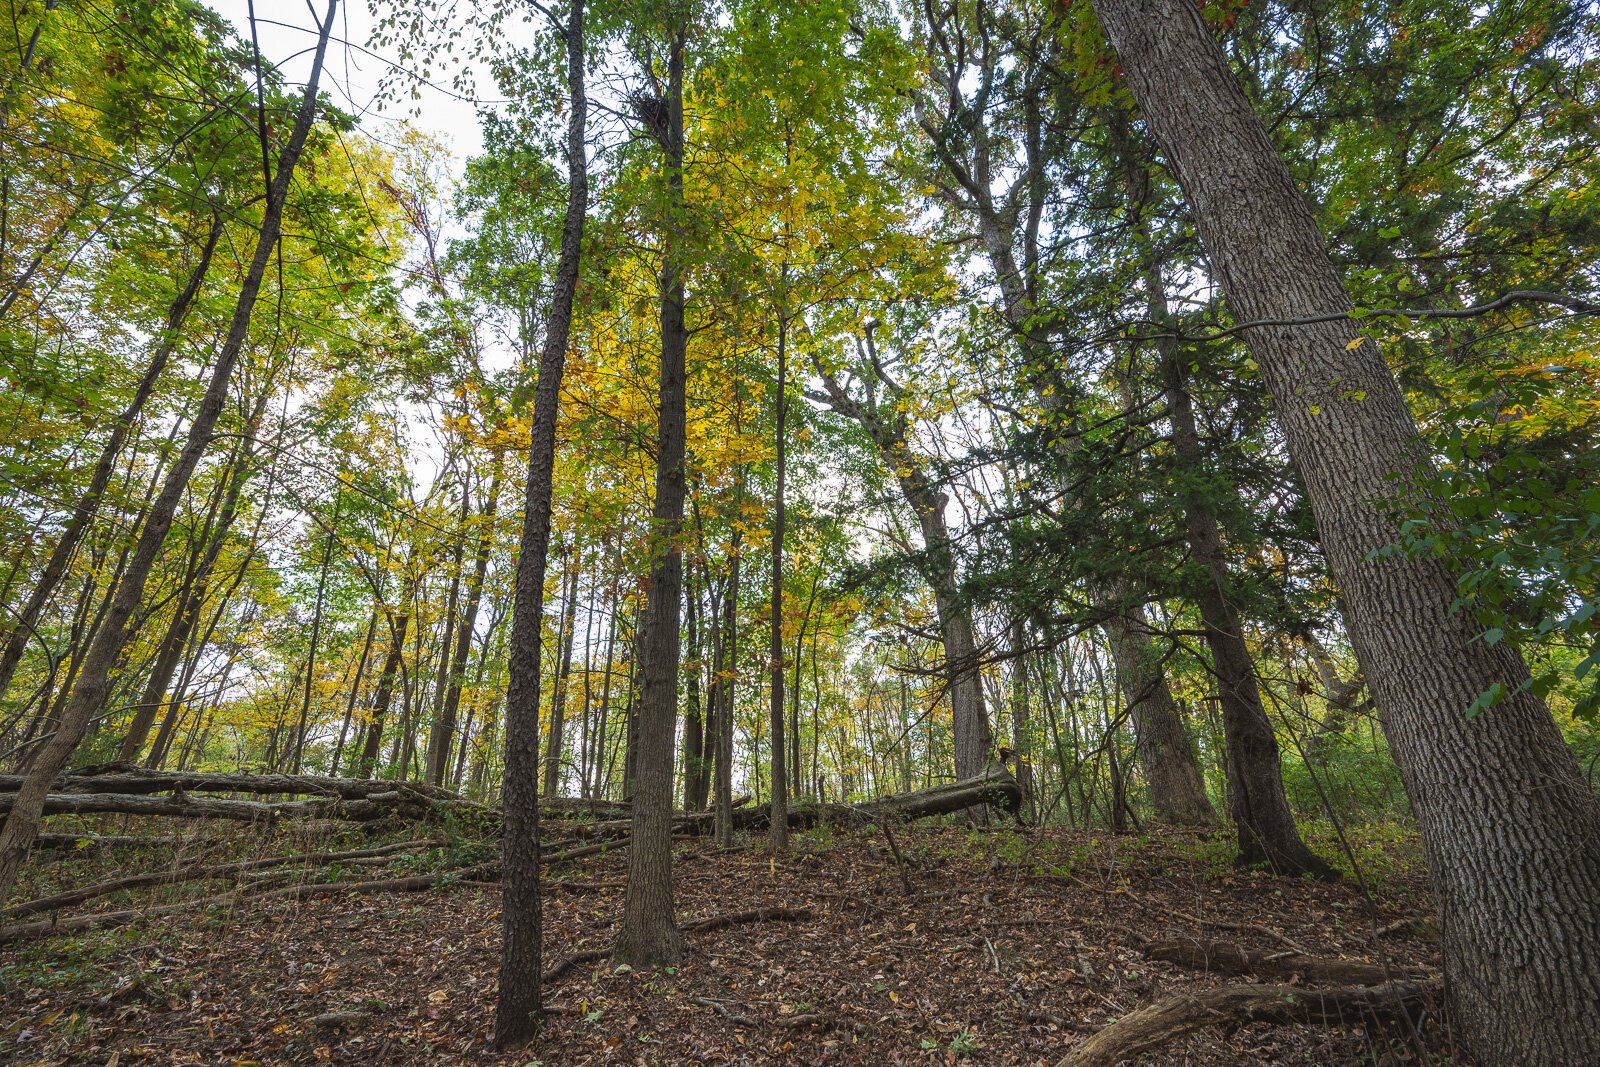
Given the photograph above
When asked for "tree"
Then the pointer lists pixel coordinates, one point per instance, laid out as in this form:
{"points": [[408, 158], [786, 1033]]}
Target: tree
{"points": [[22, 824], [1506, 817], [517, 1012], [649, 936]]}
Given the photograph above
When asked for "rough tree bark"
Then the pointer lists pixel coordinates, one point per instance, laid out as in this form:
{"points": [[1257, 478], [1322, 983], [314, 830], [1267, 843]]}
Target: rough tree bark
{"points": [[93, 682], [1511, 830], [517, 1011], [649, 936]]}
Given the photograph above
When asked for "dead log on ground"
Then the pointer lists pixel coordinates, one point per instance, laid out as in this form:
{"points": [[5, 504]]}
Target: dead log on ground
{"points": [[1174, 1016], [117, 789], [1225, 957], [190, 873], [188, 806]]}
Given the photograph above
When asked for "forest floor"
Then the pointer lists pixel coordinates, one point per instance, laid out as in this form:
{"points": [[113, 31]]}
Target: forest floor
{"points": [[985, 947]]}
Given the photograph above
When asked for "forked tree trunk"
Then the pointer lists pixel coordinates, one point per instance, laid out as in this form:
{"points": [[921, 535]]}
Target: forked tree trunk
{"points": [[1511, 830], [649, 936], [516, 1016], [93, 683]]}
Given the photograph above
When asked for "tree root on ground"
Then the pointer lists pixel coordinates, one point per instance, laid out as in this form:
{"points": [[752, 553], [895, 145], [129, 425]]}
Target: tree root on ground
{"points": [[1174, 1016], [1224, 957]]}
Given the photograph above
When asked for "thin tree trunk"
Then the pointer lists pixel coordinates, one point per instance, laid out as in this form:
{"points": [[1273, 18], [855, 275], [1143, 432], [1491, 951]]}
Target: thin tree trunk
{"points": [[517, 1011], [727, 678], [89, 504], [22, 825], [778, 833], [367, 765], [563, 672], [1510, 827], [439, 755], [355, 692]]}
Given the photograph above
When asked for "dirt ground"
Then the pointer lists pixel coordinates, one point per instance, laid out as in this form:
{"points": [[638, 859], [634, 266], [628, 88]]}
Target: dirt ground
{"points": [[1007, 948]]}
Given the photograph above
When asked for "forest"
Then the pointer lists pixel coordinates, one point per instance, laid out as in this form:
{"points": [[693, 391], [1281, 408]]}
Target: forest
{"points": [[1050, 532]]}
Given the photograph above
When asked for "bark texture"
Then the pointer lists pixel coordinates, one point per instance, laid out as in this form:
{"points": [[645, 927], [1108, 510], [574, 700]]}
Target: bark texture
{"points": [[1511, 830], [649, 935], [516, 1015]]}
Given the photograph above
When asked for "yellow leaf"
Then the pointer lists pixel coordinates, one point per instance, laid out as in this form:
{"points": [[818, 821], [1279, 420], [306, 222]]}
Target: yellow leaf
{"points": [[1353, 345], [894, 996]]}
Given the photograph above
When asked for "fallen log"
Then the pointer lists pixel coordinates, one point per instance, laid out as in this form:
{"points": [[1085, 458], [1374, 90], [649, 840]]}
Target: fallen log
{"points": [[1174, 1016], [187, 806], [190, 873], [86, 842], [120, 790], [1225, 957], [995, 786], [124, 778]]}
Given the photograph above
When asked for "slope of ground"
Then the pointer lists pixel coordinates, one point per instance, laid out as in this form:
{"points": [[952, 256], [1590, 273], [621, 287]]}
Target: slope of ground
{"points": [[1000, 947]]}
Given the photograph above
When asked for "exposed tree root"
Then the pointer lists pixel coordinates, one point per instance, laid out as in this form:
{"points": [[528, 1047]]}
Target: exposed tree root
{"points": [[1224, 957], [697, 926], [1174, 1016]]}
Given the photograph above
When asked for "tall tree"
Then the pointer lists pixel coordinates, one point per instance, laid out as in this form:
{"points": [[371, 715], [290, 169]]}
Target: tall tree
{"points": [[1511, 829], [649, 936], [517, 1011], [22, 824]]}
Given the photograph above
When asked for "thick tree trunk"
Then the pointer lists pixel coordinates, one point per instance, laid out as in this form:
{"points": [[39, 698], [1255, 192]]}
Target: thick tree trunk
{"points": [[367, 766], [1511, 829], [94, 682], [1258, 804], [517, 1011], [649, 936]]}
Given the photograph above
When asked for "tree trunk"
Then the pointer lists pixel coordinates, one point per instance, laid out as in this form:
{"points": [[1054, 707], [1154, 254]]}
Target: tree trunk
{"points": [[649, 935], [727, 681], [558, 694], [1177, 788], [694, 721], [439, 758], [779, 828], [1257, 802], [94, 682], [517, 1011], [368, 764], [1511, 829], [89, 504]]}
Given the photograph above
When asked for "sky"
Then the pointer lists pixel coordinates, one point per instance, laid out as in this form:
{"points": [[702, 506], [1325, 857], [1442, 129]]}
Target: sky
{"points": [[355, 69]]}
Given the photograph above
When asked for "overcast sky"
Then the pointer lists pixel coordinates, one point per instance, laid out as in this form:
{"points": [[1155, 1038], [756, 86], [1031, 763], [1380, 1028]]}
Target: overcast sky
{"points": [[355, 69]]}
